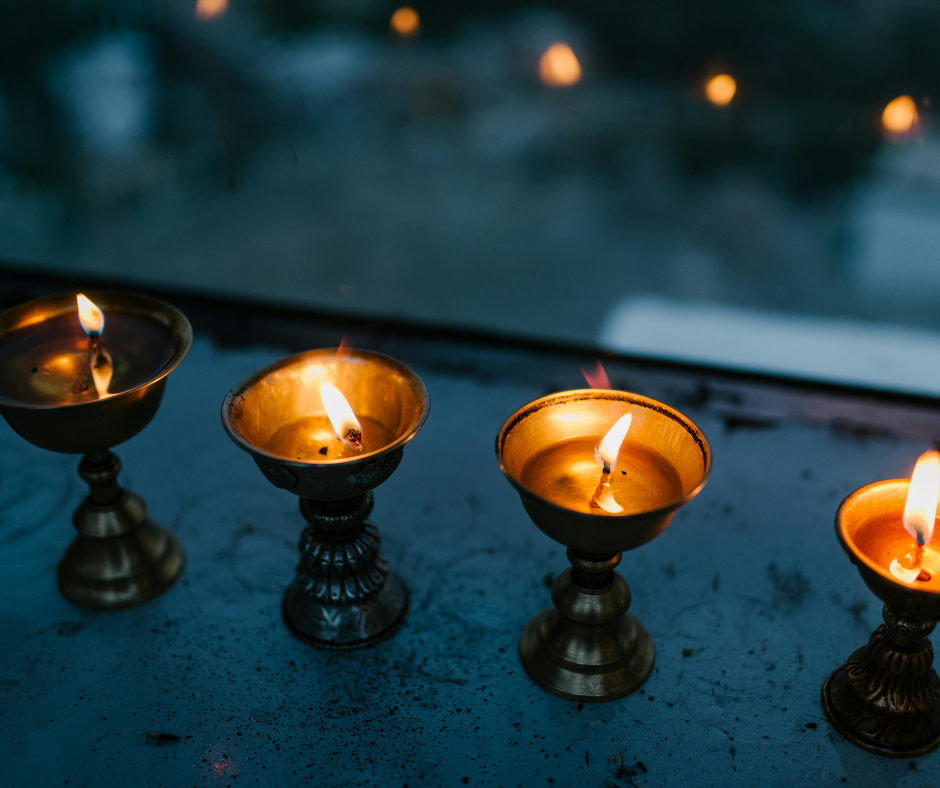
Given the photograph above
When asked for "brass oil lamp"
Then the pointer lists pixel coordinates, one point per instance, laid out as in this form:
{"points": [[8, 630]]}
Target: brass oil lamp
{"points": [[599, 471], [80, 375], [330, 426], [886, 697]]}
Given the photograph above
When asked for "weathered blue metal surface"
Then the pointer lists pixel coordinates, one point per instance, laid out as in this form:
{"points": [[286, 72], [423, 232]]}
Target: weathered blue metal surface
{"points": [[749, 598]]}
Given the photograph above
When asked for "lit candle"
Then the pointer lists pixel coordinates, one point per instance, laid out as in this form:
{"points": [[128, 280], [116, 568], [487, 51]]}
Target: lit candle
{"points": [[889, 525], [98, 365], [331, 431], [599, 471], [597, 453], [51, 351], [606, 453], [346, 426]]}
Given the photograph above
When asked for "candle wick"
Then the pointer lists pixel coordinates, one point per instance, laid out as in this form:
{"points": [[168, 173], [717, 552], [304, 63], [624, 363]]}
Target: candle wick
{"points": [[96, 370], [83, 381], [602, 487], [354, 438]]}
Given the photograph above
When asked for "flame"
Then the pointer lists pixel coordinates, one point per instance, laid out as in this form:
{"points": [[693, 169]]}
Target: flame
{"points": [[606, 453], [210, 9], [405, 22], [89, 315], [720, 89], [346, 426], [920, 510], [607, 450], [900, 115], [559, 67], [598, 378]]}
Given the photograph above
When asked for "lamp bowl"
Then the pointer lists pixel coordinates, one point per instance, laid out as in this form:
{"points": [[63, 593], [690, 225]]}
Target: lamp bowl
{"points": [[376, 386], [882, 501], [94, 425], [590, 412]]}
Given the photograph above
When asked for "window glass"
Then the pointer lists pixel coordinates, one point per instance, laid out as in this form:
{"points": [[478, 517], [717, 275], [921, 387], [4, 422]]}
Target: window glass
{"points": [[738, 182]]}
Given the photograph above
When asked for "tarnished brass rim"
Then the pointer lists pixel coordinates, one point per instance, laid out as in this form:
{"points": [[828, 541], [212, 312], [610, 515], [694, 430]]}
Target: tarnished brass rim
{"points": [[28, 313], [577, 395], [252, 448]]}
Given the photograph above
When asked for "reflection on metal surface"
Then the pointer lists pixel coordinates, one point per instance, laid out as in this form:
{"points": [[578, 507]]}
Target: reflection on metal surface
{"points": [[720, 89], [900, 115], [559, 66]]}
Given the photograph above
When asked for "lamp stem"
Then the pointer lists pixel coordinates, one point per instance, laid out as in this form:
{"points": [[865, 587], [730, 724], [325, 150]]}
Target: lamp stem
{"points": [[593, 571], [119, 558], [343, 595], [886, 697]]}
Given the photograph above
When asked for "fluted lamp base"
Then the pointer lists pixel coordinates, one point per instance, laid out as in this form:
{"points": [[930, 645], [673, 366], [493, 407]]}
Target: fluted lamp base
{"points": [[587, 647], [344, 596], [886, 697]]}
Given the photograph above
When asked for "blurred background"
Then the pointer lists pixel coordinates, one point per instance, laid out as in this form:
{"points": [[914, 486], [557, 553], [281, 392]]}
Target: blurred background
{"points": [[753, 184]]}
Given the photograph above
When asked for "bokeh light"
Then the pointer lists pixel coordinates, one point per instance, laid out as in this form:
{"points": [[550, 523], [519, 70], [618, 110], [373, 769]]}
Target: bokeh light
{"points": [[405, 22], [720, 89], [900, 115], [210, 9], [559, 66]]}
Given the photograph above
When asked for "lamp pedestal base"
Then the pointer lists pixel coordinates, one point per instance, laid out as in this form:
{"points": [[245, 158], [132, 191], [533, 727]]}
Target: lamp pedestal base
{"points": [[344, 595], [587, 647], [886, 697], [119, 558]]}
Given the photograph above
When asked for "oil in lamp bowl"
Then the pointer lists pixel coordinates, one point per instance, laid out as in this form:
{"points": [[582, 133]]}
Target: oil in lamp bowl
{"points": [[381, 391], [343, 595], [93, 425], [886, 697], [120, 557], [587, 647], [873, 511]]}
